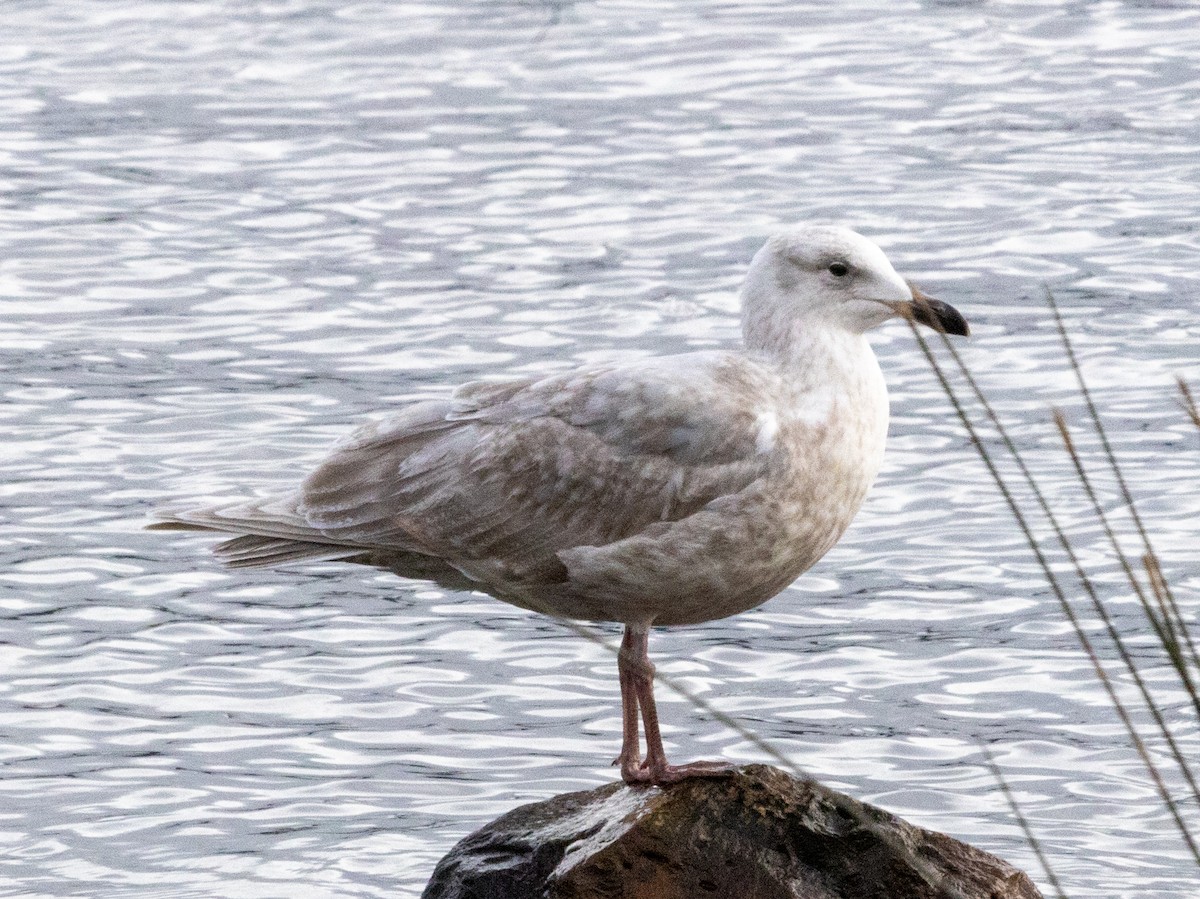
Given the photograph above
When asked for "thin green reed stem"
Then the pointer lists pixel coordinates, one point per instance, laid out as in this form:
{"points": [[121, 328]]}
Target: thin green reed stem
{"points": [[1164, 627], [1154, 573], [1025, 828], [1084, 642], [1085, 581], [1189, 403], [1111, 457]]}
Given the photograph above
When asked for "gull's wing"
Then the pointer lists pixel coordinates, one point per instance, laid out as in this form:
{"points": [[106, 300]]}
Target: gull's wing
{"points": [[501, 477]]}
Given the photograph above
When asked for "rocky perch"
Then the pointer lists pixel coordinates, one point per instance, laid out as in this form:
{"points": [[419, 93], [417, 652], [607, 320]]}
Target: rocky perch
{"points": [[757, 834]]}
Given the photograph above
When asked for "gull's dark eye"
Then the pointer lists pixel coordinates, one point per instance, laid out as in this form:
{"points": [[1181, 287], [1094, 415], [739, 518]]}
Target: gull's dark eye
{"points": [[839, 268]]}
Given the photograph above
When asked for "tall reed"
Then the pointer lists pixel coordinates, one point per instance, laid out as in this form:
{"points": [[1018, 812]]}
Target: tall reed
{"points": [[1176, 780]]}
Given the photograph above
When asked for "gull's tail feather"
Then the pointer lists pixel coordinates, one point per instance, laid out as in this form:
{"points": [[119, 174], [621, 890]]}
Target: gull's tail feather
{"points": [[253, 551], [269, 532], [275, 516]]}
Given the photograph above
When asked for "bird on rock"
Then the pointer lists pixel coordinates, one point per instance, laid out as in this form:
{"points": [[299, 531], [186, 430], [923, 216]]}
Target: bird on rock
{"points": [[664, 491]]}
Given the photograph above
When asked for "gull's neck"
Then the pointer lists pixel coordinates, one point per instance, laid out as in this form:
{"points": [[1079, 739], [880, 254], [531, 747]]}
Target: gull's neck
{"points": [[813, 346]]}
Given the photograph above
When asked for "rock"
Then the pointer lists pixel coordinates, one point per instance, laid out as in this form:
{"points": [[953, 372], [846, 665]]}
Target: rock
{"points": [[757, 834]]}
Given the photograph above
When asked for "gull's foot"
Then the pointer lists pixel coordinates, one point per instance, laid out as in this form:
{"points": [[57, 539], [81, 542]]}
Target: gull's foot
{"points": [[664, 774]]}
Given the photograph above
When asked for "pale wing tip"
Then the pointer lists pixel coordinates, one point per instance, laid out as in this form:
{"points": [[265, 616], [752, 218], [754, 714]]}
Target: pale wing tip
{"points": [[175, 526], [194, 516], [174, 518]]}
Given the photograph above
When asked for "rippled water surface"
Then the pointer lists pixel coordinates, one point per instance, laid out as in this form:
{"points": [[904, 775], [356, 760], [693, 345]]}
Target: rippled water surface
{"points": [[229, 230]]}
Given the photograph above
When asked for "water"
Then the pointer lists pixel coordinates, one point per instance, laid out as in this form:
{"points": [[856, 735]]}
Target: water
{"points": [[230, 230]]}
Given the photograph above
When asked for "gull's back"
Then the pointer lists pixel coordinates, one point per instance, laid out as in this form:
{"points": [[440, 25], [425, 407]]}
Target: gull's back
{"points": [[670, 490]]}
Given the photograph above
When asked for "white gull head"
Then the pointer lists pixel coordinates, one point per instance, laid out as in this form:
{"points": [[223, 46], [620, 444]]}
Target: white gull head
{"points": [[828, 279]]}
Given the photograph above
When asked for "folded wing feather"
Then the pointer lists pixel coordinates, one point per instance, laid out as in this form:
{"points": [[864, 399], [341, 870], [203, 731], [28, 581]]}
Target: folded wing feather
{"points": [[500, 478]]}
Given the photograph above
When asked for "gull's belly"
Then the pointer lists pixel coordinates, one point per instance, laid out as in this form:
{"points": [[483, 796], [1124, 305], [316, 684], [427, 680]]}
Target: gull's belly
{"points": [[823, 445], [738, 552], [780, 531]]}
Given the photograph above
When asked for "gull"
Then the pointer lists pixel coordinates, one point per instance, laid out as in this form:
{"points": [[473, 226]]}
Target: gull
{"points": [[667, 491]]}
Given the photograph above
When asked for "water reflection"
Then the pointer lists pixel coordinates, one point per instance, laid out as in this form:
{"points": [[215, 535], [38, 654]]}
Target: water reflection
{"points": [[231, 232]]}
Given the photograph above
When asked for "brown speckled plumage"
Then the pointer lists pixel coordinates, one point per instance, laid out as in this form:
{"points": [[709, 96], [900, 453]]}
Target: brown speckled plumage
{"points": [[667, 491]]}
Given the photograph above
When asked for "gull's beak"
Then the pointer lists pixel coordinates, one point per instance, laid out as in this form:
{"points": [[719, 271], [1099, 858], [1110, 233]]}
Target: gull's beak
{"points": [[934, 313]]}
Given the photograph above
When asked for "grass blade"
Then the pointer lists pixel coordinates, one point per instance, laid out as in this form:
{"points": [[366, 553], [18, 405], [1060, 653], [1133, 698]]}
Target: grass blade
{"points": [[1030, 838], [1052, 580], [1189, 403], [1111, 458]]}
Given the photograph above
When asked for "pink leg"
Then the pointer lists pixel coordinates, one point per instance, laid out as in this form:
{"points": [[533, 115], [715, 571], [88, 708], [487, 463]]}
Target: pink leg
{"points": [[630, 758], [637, 689]]}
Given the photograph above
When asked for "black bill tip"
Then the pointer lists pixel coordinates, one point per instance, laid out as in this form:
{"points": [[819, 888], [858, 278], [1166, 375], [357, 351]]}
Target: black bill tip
{"points": [[937, 315]]}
